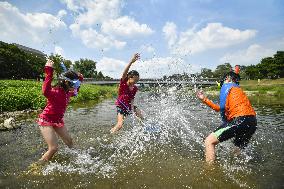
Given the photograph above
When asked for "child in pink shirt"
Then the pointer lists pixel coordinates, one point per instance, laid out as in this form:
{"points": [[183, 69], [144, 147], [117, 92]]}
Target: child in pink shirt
{"points": [[126, 94], [51, 119]]}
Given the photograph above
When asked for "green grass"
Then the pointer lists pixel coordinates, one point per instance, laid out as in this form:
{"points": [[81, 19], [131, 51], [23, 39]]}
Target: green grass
{"points": [[20, 95], [262, 82], [264, 87]]}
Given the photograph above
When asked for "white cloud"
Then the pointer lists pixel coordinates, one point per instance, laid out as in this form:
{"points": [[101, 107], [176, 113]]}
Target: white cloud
{"points": [[58, 50], [170, 33], [73, 5], [126, 27], [98, 11], [213, 36], [147, 48], [61, 13], [98, 23], [26, 28], [92, 39], [252, 55], [157, 67], [150, 68], [111, 67]]}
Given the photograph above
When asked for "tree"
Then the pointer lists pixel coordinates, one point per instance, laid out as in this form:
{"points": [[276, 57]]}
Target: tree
{"points": [[222, 69], [100, 76], [206, 73], [252, 72], [279, 63], [57, 59], [16, 63], [86, 67]]}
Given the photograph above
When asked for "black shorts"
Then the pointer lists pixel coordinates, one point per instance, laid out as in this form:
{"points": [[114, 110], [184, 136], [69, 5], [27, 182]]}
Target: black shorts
{"points": [[241, 128], [124, 112]]}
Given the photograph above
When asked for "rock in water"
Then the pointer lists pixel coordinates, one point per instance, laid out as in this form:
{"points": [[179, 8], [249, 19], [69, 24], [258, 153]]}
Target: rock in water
{"points": [[2, 126], [10, 123]]}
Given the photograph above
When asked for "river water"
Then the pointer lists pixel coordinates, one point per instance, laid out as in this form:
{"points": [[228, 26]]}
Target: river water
{"points": [[164, 151]]}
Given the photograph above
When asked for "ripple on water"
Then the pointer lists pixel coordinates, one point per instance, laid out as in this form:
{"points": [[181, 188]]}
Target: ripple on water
{"points": [[166, 149]]}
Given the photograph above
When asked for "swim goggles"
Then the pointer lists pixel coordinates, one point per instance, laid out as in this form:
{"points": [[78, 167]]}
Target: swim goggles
{"points": [[74, 83]]}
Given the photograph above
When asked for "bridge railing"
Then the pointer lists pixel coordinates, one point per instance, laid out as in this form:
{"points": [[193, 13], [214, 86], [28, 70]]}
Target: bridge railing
{"points": [[151, 82]]}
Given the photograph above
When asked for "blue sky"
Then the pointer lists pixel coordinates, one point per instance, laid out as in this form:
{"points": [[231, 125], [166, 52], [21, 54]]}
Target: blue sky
{"points": [[172, 36]]}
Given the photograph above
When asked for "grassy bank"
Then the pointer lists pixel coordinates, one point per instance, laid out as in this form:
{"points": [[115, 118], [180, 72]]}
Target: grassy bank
{"points": [[20, 95], [262, 87]]}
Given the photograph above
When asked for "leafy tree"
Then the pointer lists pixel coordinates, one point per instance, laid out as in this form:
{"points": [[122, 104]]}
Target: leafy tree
{"points": [[100, 76], [19, 64], [86, 67], [252, 72], [269, 67], [279, 63], [67, 63], [222, 69], [206, 73]]}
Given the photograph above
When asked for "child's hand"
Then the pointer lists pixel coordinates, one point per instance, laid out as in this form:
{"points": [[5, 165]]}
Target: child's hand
{"points": [[80, 76], [200, 95], [49, 63], [135, 57]]}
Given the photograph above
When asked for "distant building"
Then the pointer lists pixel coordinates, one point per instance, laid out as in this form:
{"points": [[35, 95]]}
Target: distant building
{"points": [[28, 49]]}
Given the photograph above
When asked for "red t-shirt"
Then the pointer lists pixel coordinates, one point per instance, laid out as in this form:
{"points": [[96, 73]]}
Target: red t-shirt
{"points": [[125, 95], [57, 99]]}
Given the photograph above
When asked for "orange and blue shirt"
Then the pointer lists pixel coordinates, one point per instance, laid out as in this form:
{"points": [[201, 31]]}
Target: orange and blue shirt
{"points": [[233, 103]]}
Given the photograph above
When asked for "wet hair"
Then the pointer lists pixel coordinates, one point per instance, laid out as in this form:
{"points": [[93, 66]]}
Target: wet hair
{"points": [[233, 76], [70, 75], [132, 73]]}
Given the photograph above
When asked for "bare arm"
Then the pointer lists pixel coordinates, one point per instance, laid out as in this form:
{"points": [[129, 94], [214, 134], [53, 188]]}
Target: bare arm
{"points": [[134, 58], [48, 69], [208, 102]]}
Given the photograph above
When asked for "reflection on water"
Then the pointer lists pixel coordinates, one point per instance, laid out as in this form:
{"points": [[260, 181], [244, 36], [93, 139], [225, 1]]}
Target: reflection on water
{"points": [[164, 151]]}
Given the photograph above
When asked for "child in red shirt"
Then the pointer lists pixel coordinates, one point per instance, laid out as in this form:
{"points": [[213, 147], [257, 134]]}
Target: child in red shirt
{"points": [[51, 119], [126, 94]]}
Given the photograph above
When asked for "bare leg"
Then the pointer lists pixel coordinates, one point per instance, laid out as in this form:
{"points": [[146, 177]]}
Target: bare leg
{"points": [[210, 142], [64, 135], [138, 113], [50, 138], [237, 151], [119, 124]]}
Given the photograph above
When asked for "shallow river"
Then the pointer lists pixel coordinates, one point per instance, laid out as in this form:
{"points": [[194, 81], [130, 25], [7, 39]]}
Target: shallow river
{"points": [[164, 151]]}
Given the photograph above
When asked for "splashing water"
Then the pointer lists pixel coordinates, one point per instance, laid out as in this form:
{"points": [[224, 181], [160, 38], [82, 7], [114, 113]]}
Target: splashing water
{"points": [[174, 121], [165, 149]]}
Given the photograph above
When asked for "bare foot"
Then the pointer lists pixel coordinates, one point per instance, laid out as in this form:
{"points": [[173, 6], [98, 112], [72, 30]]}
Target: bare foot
{"points": [[113, 130], [237, 151]]}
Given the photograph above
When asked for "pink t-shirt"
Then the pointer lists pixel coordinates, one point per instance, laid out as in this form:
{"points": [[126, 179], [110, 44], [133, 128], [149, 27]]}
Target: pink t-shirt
{"points": [[57, 99], [125, 95]]}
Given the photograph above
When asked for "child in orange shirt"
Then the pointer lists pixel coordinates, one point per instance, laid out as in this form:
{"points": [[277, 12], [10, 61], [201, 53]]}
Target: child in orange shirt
{"points": [[239, 117]]}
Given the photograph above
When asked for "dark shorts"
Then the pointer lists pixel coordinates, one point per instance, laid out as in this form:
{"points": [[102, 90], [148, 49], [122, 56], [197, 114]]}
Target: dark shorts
{"points": [[124, 112], [240, 128]]}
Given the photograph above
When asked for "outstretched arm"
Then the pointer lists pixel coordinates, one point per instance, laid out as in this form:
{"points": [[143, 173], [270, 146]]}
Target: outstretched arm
{"points": [[48, 69], [135, 57], [208, 102]]}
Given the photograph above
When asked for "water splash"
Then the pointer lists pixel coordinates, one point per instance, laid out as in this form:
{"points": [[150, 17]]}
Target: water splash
{"points": [[175, 125]]}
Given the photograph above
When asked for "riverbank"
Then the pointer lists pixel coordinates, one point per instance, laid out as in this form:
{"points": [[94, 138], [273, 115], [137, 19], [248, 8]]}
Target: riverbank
{"points": [[265, 87], [24, 98], [18, 95]]}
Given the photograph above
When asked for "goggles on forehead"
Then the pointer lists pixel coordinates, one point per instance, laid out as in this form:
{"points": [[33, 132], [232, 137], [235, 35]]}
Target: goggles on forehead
{"points": [[74, 83]]}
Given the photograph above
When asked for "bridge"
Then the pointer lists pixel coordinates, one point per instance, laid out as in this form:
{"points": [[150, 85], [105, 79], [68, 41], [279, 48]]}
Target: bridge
{"points": [[152, 82]]}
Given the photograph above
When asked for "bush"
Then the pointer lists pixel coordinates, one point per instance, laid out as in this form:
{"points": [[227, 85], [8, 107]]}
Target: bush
{"points": [[21, 95]]}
